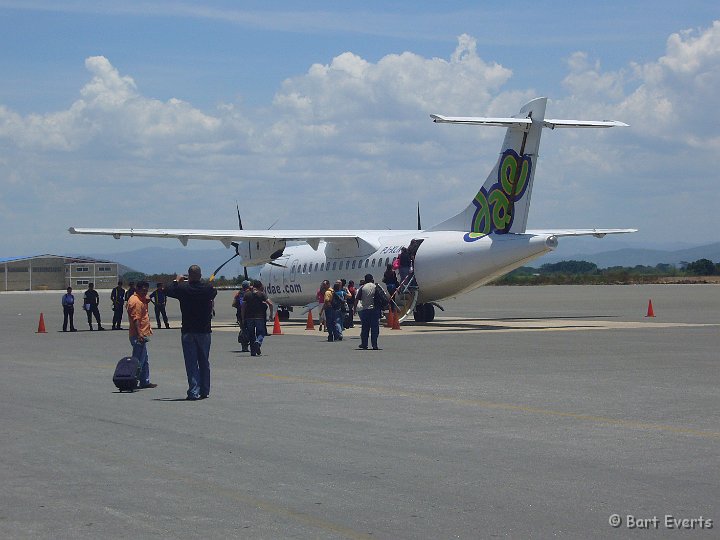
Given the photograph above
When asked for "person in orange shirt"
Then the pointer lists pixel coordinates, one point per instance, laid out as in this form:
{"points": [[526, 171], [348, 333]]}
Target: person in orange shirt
{"points": [[140, 330]]}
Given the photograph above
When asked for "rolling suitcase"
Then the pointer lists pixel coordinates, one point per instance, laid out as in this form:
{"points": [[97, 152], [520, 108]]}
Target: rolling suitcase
{"points": [[126, 374]]}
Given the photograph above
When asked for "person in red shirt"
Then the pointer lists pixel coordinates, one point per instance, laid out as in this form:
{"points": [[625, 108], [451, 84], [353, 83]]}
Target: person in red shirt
{"points": [[140, 330]]}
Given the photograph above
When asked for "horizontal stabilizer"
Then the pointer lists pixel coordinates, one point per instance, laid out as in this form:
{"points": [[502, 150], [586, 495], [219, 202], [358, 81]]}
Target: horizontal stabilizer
{"points": [[598, 233], [481, 121], [553, 123]]}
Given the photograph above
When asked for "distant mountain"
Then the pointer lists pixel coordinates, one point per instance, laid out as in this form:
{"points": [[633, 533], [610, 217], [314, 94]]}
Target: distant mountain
{"points": [[160, 260], [635, 256]]}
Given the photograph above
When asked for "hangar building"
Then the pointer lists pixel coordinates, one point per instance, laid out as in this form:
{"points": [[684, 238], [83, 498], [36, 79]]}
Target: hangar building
{"points": [[55, 272]]}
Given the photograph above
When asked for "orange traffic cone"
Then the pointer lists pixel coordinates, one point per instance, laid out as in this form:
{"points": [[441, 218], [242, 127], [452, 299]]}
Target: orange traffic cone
{"points": [[650, 312], [310, 325], [389, 319], [276, 326], [396, 321], [41, 325]]}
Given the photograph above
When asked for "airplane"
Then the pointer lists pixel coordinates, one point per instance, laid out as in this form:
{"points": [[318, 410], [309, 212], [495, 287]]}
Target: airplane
{"points": [[484, 241]]}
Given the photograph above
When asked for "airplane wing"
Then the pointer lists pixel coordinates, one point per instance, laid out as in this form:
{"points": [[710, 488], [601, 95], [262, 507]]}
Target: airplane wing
{"points": [[598, 233], [225, 236], [258, 246]]}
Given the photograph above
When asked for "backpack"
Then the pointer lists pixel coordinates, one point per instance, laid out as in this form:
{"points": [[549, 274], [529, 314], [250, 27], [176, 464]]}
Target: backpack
{"points": [[380, 299], [339, 303]]}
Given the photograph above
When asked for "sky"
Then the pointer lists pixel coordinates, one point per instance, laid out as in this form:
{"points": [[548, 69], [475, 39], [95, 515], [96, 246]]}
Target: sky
{"points": [[316, 114]]}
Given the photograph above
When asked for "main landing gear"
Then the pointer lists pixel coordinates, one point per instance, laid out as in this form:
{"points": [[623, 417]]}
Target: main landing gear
{"points": [[283, 313], [424, 313]]}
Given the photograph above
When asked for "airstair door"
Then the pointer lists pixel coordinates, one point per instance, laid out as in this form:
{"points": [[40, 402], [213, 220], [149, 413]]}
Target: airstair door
{"points": [[406, 295]]}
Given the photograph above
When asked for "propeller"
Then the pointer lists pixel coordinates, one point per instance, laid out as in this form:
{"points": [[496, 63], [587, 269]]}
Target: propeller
{"points": [[237, 249], [419, 227], [235, 245], [237, 207], [237, 253]]}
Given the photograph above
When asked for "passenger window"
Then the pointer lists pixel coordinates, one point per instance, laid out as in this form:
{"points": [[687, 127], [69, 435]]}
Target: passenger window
{"points": [[373, 263], [322, 267], [387, 260], [316, 267], [304, 268], [334, 265], [366, 262], [353, 265]]}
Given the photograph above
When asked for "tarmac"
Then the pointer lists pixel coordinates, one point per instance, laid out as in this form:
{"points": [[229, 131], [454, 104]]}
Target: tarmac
{"points": [[521, 412]]}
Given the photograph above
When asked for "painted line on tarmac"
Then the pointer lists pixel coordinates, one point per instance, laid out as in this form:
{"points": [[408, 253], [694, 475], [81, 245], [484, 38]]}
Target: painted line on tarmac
{"points": [[617, 422], [476, 326]]}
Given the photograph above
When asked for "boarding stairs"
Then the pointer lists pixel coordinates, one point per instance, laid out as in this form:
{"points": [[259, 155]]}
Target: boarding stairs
{"points": [[404, 297]]}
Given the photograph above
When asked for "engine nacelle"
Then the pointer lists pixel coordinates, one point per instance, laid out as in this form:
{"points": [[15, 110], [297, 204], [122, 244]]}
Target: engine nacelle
{"points": [[257, 252]]}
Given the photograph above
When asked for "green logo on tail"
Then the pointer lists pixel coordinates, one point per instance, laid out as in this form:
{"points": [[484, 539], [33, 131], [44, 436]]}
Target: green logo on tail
{"points": [[494, 208]]}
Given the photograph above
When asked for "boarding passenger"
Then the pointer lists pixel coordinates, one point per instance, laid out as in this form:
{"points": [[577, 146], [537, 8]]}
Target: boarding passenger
{"points": [[352, 291], [369, 313], [238, 300], [405, 265], [91, 301], [346, 319], [159, 299], [390, 279], [196, 305], [117, 297], [320, 297], [254, 314], [68, 304], [140, 331], [333, 311]]}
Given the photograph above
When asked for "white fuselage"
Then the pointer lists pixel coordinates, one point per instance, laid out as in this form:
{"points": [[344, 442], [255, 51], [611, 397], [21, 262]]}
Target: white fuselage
{"points": [[445, 264]]}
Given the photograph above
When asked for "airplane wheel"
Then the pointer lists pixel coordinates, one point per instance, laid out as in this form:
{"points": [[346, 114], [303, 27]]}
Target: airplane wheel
{"points": [[283, 314], [424, 313]]}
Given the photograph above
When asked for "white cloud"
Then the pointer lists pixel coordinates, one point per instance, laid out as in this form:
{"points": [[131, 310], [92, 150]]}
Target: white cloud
{"points": [[678, 91], [352, 126], [587, 79], [111, 114]]}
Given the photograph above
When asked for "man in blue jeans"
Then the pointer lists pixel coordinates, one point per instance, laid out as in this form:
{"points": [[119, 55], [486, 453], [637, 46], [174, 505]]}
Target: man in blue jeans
{"points": [[140, 331], [196, 305], [369, 313]]}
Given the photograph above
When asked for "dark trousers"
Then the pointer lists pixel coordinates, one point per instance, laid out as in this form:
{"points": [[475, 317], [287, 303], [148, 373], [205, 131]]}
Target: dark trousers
{"points": [[68, 313], [256, 332], [160, 310], [370, 319], [196, 350], [117, 316], [93, 311]]}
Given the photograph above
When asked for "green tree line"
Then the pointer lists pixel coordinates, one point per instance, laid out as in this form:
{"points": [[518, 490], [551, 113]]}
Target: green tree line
{"points": [[583, 272]]}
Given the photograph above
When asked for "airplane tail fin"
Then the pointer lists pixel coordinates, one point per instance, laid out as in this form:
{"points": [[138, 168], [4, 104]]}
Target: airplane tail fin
{"points": [[503, 202]]}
